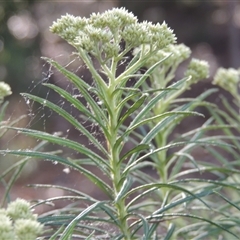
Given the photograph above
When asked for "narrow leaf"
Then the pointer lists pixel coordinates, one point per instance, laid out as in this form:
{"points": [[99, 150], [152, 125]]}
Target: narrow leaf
{"points": [[70, 228], [91, 176], [66, 143], [170, 231], [136, 149], [81, 85], [125, 187], [76, 103], [69, 118], [154, 100], [132, 109]]}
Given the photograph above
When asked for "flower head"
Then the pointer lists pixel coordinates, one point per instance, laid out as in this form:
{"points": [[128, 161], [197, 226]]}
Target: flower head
{"points": [[18, 223], [180, 52], [2, 211], [197, 69], [163, 35], [114, 19], [173, 54], [6, 228], [228, 79], [20, 209], [5, 90], [27, 229], [69, 27], [106, 31]]}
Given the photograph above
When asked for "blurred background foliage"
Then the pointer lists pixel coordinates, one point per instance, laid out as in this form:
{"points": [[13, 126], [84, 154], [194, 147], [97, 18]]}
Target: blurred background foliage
{"points": [[210, 28]]}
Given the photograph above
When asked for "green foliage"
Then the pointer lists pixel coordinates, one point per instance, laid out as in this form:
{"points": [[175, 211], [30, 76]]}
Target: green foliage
{"points": [[181, 202]]}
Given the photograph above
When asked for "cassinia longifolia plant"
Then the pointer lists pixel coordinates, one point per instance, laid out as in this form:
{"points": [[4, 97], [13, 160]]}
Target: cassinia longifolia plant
{"points": [[136, 111]]}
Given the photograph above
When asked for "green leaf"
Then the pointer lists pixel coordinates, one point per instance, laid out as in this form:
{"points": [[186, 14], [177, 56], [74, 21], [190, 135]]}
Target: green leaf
{"points": [[91, 176], [155, 100], [82, 86], [161, 216], [170, 115], [165, 208], [130, 165], [69, 118], [233, 113], [171, 185], [171, 205], [100, 162], [90, 236], [190, 157], [145, 225], [132, 109], [162, 115], [136, 149], [78, 105], [214, 182], [56, 234], [160, 90], [66, 189], [131, 206], [18, 170], [67, 233], [170, 231], [125, 100], [227, 200], [70, 75], [124, 188], [161, 126]]}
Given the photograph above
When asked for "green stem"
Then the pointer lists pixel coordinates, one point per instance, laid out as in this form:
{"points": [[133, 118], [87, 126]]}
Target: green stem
{"points": [[136, 66], [114, 153]]}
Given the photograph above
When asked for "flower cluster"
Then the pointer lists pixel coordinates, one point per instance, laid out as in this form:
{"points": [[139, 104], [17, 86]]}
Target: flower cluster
{"points": [[228, 79], [157, 35], [20, 209], [174, 54], [197, 69], [17, 222], [6, 228], [5, 90], [102, 34]]}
